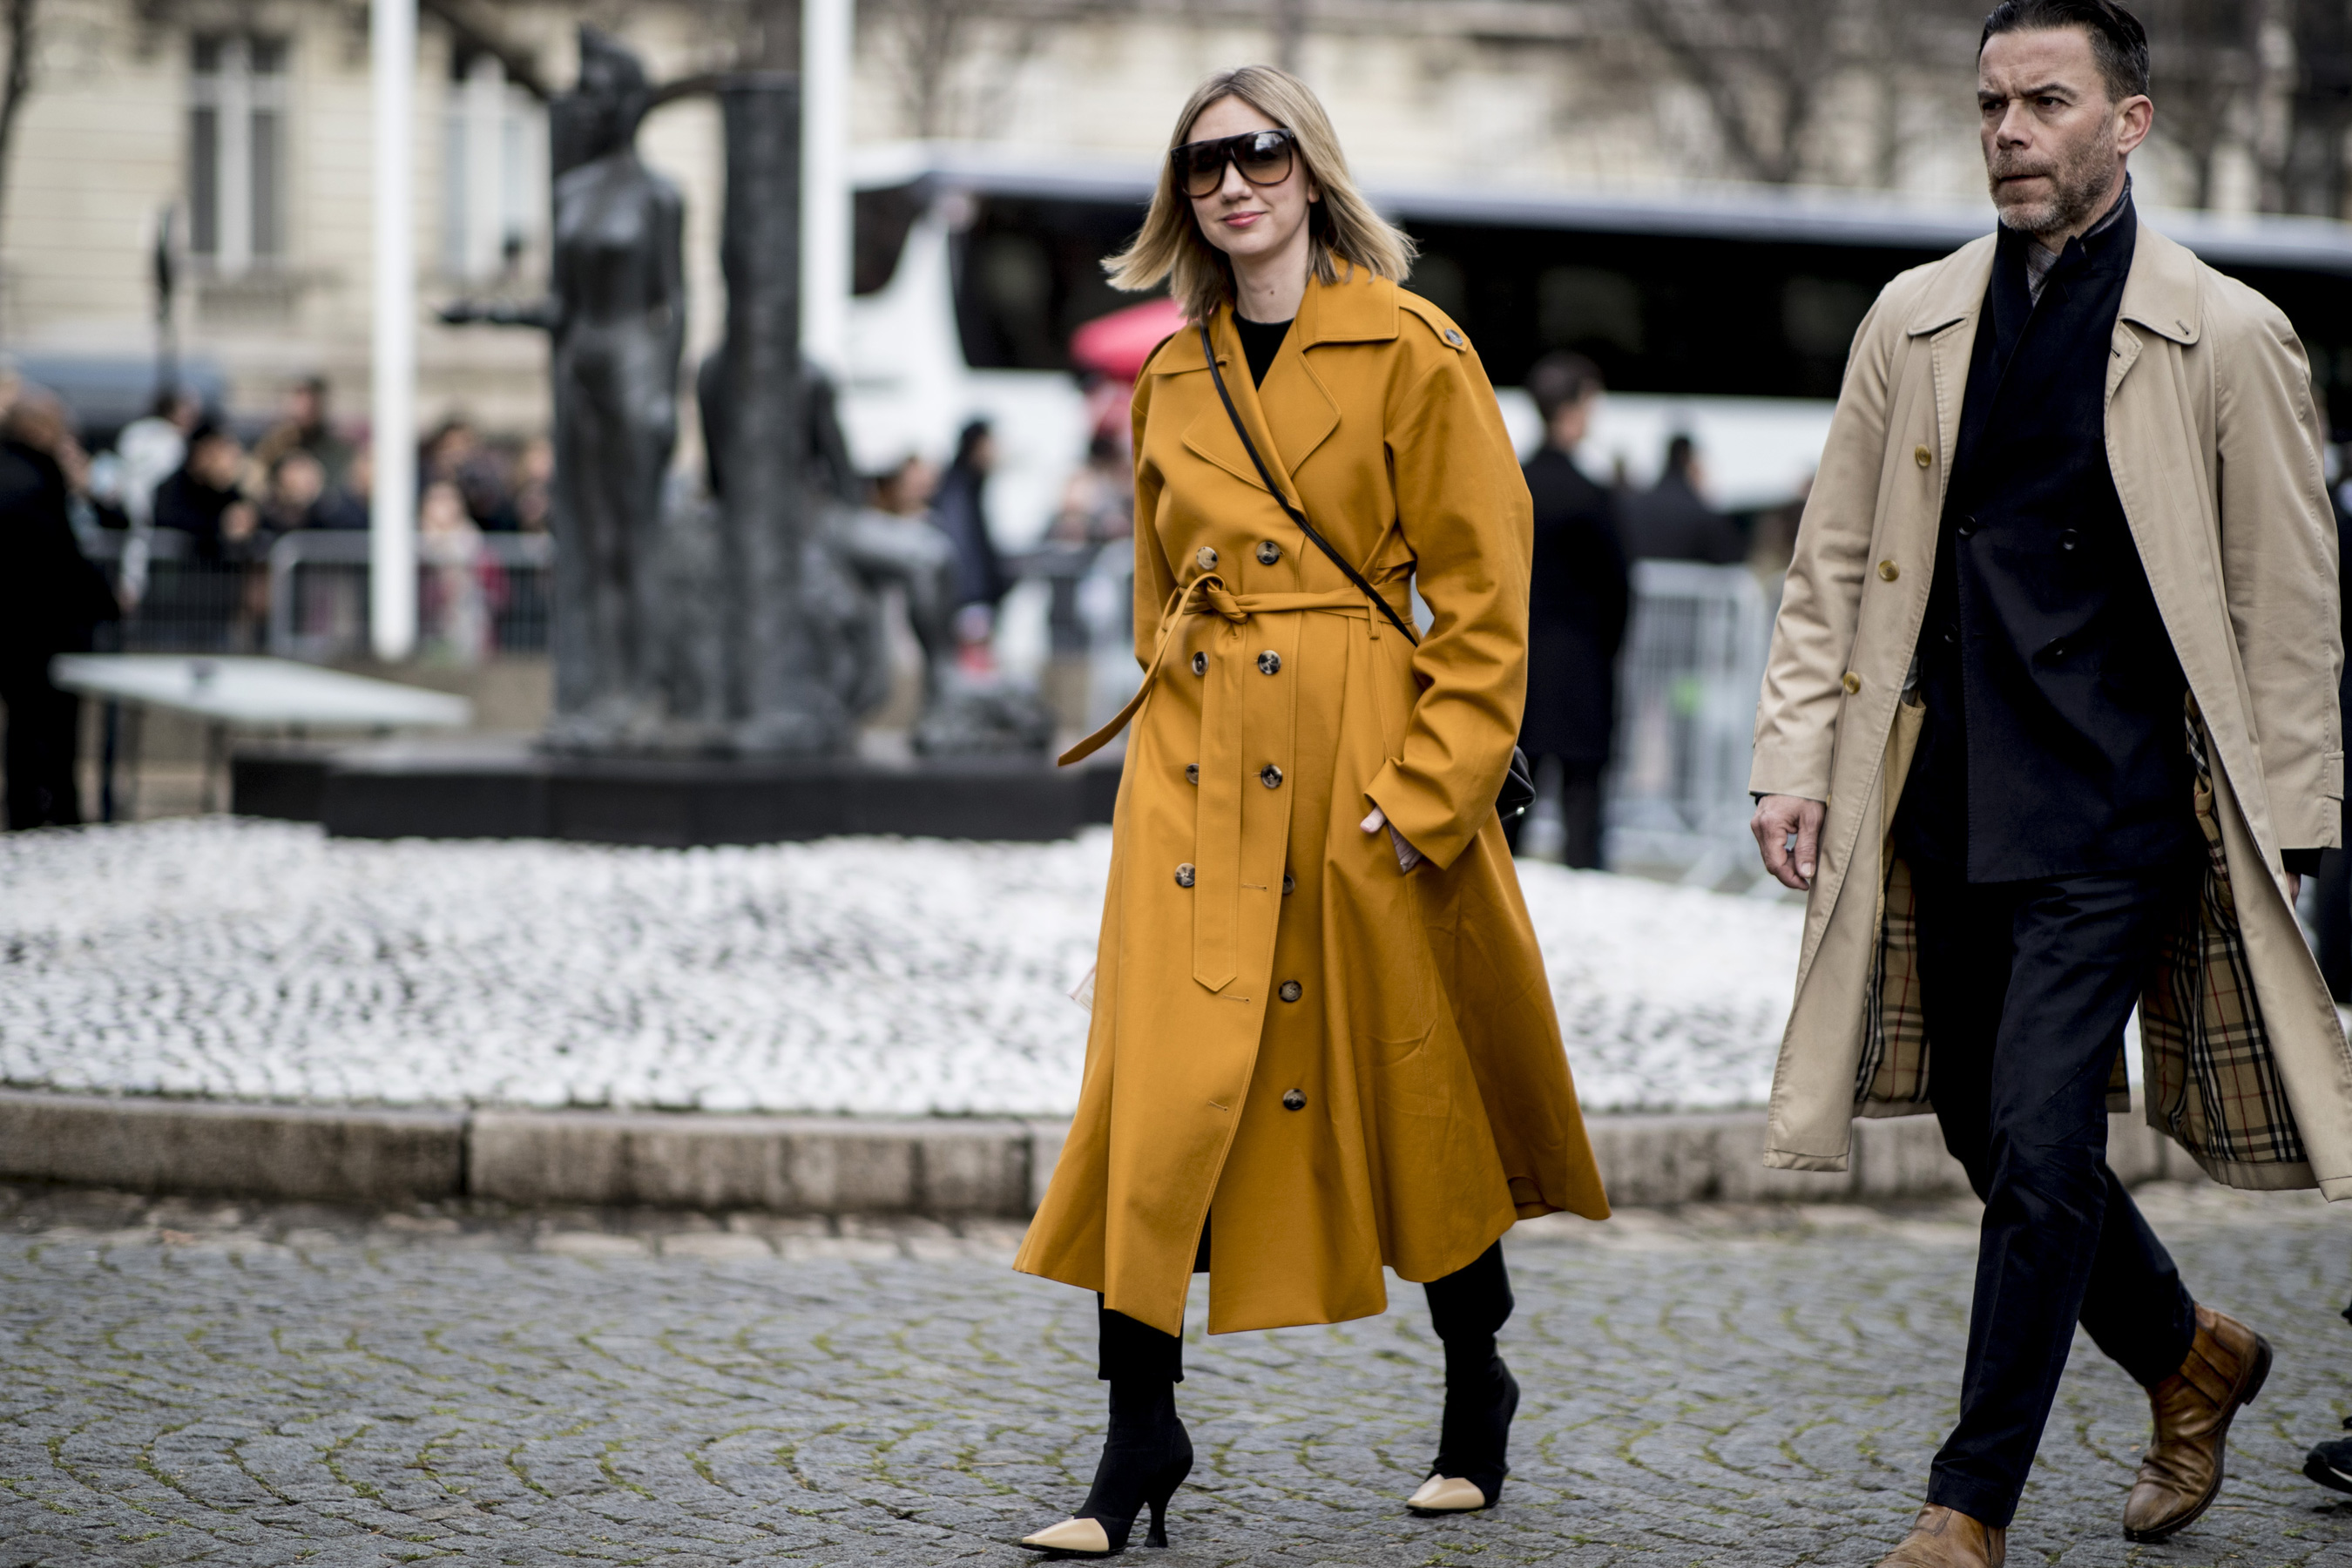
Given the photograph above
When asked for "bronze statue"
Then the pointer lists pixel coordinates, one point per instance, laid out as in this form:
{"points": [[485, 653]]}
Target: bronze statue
{"points": [[747, 623], [616, 316]]}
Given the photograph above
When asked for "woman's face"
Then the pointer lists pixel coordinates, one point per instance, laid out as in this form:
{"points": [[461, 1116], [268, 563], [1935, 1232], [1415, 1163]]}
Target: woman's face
{"points": [[1242, 220]]}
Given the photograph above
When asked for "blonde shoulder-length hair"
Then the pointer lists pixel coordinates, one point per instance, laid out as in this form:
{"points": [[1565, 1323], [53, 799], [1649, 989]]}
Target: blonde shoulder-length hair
{"points": [[1200, 277]]}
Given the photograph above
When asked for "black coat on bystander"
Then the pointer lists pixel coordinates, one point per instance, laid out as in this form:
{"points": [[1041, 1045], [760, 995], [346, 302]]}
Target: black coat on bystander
{"points": [[1577, 606], [51, 602]]}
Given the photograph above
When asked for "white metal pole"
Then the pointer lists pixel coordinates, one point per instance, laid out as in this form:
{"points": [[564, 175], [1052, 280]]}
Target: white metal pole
{"points": [[828, 33], [392, 551]]}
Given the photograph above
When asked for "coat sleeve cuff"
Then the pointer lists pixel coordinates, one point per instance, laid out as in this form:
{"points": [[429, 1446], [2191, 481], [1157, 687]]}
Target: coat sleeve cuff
{"points": [[2301, 862]]}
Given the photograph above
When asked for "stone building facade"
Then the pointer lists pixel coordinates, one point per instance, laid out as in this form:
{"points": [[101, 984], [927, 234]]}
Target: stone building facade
{"points": [[247, 122]]}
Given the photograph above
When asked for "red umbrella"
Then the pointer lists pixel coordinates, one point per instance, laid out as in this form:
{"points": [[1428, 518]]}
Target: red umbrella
{"points": [[1117, 345]]}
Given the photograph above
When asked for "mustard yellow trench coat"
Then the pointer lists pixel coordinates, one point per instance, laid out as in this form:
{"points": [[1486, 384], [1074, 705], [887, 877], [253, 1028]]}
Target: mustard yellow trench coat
{"points": [[1347, 1064]]}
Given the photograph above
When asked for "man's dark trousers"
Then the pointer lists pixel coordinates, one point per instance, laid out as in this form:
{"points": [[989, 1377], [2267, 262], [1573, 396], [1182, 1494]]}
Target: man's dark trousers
{"points": [[2025, 987]]}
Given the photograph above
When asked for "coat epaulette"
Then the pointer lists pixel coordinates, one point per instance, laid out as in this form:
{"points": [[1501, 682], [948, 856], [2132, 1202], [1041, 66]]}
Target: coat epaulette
{"points": [[1437, 320]]}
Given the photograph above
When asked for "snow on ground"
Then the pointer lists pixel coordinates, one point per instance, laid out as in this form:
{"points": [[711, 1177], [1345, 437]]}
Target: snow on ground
{"points": [[869, 976]]}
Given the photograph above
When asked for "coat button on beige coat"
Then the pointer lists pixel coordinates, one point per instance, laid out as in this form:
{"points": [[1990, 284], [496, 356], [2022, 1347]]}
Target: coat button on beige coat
{"points": [[1269, 663], [1206, 557], [1291, 991], [1293, 1099], [1268, 553]]}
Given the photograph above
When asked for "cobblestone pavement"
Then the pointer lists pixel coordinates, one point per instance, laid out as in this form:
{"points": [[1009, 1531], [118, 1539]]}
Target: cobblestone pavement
{"points": [[187, 1382]]}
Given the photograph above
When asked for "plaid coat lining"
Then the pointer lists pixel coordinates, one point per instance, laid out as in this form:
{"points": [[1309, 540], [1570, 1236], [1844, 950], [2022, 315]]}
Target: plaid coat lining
{"points": [[2206, 1061]]}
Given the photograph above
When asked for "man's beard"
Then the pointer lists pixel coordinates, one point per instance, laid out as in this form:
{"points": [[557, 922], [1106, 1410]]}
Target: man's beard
{"points": [[2078, 183]]}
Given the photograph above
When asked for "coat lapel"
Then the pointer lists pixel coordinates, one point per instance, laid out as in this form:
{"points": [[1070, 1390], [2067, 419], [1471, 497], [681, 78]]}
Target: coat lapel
{"points": [[1947, 317], [1304, 411]]}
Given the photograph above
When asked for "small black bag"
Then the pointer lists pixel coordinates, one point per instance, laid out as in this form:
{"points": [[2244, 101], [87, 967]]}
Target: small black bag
{"points": [[1518, 791]]}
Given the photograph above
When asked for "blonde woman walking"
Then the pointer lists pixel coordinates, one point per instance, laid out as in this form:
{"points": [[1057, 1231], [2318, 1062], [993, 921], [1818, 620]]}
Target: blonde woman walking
{"points": [[1322, 1040]]}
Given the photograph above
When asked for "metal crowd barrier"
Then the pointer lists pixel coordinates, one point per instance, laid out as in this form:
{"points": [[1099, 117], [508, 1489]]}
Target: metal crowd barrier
{"points": [[1688, 683], [491, 598], [307, 597]]}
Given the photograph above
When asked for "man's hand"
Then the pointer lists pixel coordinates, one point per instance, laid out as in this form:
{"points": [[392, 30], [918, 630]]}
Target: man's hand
{"points": [[2294, 888], [1778, 818]]}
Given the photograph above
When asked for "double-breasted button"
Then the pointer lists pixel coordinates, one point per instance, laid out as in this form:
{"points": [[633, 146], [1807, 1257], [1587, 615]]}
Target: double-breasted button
{"points": [[1199, 664], [1184, 875], [2068, 538], [1290, 884], [1921, 455], [1269, 663], [1270, 776], [1888, 571], [1268, 553], [1206, 557], [1291, 991], [1191, 773], [1967, 527], [1293, 1099], [1852, 682]]}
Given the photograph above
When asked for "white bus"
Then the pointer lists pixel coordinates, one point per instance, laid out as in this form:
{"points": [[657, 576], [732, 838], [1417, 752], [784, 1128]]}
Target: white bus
{"points": [[1724, 313]]}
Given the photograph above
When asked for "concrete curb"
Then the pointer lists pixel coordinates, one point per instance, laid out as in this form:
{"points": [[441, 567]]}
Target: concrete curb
{"points": [[828, 1165]]}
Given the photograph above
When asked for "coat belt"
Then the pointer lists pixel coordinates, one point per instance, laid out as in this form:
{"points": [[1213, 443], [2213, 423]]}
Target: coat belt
{"points": [[1217, 886]]}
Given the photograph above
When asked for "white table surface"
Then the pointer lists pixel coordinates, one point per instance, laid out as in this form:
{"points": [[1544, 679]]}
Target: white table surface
{"points": [[249, 690]]}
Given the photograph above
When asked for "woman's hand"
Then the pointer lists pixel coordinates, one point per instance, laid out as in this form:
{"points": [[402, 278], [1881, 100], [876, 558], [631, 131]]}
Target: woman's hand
{"points": [[1407, 856]]}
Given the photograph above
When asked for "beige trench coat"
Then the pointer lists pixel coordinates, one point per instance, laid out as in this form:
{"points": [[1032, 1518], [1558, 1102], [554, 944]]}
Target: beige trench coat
{"points": [[2214, 444], [1347, 1065]]}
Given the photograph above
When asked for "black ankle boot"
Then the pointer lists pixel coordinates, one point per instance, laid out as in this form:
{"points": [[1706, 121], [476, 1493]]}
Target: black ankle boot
{"points": [[1144, 1459], [1481, 1398]]}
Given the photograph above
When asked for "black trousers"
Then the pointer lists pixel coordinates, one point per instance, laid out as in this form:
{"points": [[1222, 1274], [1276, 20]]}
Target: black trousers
{"points": [[1470, 1304], [2025, 988], [2332, 917], [43, 731]]}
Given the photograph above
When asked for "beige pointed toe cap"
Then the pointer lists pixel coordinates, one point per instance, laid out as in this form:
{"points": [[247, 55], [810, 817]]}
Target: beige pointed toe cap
{"points": [[1084, 1535], [1447, 1494]]}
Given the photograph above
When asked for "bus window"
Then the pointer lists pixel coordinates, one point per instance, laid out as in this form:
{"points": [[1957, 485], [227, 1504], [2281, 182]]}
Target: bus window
{"points": [[1821, 314], [1577, 306], [1686, 314], [878, 226], [1029, 273], [1438, 279]]}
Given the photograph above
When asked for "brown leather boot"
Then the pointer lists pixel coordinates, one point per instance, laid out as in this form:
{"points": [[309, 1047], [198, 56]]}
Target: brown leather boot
{"points": [[1943, 1538], [2182, 1474]]}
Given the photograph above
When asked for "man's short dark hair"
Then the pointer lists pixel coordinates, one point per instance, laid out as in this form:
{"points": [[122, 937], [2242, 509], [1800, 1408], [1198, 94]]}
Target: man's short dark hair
{"points": [[1557, 380], [2118, 40]]}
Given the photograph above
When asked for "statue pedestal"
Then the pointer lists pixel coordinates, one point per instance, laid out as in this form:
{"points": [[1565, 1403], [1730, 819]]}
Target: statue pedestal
{"points": [[499, 788]]}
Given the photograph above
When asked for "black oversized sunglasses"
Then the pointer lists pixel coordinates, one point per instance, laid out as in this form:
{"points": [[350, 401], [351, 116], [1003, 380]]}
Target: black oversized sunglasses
{"points": [[1261, 156]]}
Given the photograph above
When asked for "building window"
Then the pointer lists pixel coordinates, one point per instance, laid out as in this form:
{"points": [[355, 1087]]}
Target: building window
{"points": [[493, 171], [236, 150]]}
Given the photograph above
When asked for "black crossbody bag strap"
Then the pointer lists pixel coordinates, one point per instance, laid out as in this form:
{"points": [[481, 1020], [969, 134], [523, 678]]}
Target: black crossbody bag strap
{"points": [[1209, 349]]}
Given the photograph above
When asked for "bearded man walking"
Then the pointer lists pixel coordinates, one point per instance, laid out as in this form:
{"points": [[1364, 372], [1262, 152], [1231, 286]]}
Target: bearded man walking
{"points": [[2050, 729]]}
